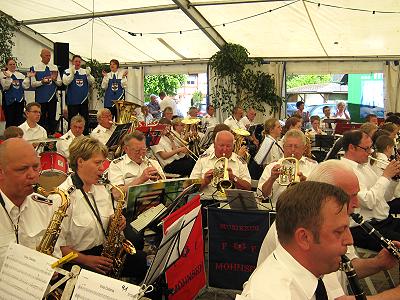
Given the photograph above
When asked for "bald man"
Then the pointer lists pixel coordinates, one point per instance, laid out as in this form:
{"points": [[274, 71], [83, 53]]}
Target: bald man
{"points": [[237, 168], [23, 220], [45, 80]]}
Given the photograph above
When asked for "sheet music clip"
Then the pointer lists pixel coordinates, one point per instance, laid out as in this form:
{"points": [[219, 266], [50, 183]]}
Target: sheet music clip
{"points": [[70, 277]]}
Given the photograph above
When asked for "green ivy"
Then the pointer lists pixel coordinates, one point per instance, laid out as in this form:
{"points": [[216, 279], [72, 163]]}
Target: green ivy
{"points": [[236, 83], [97, 69], [7, 32], [169, 83]]}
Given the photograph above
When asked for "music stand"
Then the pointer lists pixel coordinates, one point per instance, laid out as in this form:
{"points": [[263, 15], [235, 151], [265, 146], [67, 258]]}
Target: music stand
{"points": [[152, 133], [206, 140], [171, 246], [118, 134], [241, 199], [324, 141]]}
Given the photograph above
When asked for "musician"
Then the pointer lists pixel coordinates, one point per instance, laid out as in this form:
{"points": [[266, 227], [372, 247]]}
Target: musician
{"points": [[144, 115], [237, 167], [84, 229], [193, 112], [45, 79], [375, 191], [154, 107], [217, 128], [302, 114], [209, 120], [105, 129], [167, 102], [248, 119], [114, 83], [78, 82], [168, 113], [313, 232], [23, 219], [327, 115], [372, 118], [272, 133], [77, 128], [335, 173], [315, 127], [14, 83], [291, 123], [32, 130], [132, 168], [234, 121], [13, 132], [170, 153], [294, 145]]}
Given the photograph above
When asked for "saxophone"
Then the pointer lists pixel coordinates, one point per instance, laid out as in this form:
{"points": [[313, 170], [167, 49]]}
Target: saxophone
{"points": [[115, 245], [53, 230]]}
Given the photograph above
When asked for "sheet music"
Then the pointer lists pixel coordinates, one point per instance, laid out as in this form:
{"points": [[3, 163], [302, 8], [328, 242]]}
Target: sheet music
{"points": [[25, 273], [92, 286], [145, 218], [264, 149]]}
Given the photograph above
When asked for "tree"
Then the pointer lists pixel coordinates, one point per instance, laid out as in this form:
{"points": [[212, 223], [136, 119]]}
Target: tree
{"points": [[7, 29], [169, 83], [300, 80]]}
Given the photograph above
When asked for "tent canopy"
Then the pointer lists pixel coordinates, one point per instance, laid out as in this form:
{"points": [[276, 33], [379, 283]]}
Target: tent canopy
{"points": [[159, 31]]}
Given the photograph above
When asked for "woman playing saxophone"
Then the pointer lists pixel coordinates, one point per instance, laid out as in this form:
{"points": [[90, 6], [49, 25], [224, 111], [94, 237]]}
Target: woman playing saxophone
{"points": [[91, 218]]}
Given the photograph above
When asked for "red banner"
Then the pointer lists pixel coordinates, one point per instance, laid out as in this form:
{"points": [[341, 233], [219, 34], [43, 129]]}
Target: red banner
{"points": [[186, 277]]}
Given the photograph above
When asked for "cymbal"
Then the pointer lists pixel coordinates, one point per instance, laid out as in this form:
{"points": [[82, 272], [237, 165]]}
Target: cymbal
{"points": [[44, 140]]}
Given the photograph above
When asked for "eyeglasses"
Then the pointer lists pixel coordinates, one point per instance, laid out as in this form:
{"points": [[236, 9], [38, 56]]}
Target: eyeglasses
{"points": [[366, 149]]}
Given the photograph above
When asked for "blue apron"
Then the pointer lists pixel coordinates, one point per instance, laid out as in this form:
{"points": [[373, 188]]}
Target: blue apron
{"points": [[45, 92], [16, 92], [77, 90], [114, 91]]}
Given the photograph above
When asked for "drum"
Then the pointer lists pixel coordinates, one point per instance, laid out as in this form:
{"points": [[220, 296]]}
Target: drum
{"points": [[54, 170]]}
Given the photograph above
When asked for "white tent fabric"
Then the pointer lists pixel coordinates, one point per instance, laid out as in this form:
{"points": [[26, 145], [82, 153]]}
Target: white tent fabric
{"points": [[272, 29], [392, 87]]}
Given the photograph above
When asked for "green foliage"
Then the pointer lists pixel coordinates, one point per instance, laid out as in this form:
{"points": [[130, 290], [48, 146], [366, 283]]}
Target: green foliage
{"points": [[197, 98], [300, 80], [169, 83], [7, 29], [236, 83], [97, 69]]}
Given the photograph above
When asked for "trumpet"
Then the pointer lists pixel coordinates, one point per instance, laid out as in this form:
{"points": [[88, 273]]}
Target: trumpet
{"points": [[385, 163], [147, 161], [220, 178], [288, 171], [184, 144]]}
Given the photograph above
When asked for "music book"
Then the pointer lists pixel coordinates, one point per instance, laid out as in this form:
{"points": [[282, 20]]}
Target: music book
{"points": [[265, 148], [144, 219]]}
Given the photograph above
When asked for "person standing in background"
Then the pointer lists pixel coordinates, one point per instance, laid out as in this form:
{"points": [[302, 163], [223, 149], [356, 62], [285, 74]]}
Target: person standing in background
{"points": [[77, 81], [114, 83], [13, 84], [45, 78]]}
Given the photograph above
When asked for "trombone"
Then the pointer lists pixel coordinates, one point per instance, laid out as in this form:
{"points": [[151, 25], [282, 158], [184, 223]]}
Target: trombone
{"points": [[184, 144]]}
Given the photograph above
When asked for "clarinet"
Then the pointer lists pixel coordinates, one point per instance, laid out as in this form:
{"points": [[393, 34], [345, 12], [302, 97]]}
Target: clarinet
{"points": [[386, 243], [355, 286]]}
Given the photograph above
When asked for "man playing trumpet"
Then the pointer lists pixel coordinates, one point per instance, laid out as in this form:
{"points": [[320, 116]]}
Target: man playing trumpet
{"points": [[294, 145], [237, 168], [105, 129]]}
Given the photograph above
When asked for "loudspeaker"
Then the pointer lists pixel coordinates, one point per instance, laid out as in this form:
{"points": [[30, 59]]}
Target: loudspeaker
{"points": [[61, 55]]}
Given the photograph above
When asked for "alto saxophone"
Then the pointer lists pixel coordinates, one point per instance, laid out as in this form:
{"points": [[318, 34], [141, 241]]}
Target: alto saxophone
{"points": [[115, 246], [50, 237]]}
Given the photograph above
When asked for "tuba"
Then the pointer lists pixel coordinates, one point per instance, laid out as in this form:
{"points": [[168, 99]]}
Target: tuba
{"points": [[116, 247], [50, 237], [240, 136], [220, 178], [125, 112], [288, 171]]}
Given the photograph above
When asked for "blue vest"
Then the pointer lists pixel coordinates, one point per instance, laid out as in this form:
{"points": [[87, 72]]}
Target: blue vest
{"points": [[114, 91], [45, 92], [77, 90], [16, 92]]}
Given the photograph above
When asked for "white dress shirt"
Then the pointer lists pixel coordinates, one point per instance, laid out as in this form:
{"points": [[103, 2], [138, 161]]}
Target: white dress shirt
{"points": [[80, 228], [41, 67], [37, 132], [118, 75], [306, 165], [233, 123], [102, 134], [32, 218], [281, 277], [206, 162], [123, 170], [64, 142], [164, 145], [245, 122], [68, 76], [209, 121], [375, 191], [7, 81]]}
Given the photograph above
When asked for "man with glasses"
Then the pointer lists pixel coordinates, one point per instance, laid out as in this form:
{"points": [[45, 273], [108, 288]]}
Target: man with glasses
{"points": [[32, 130], [105, 129], [375, 191], [294, 145]]}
